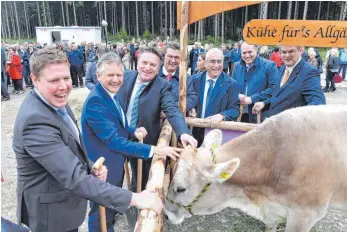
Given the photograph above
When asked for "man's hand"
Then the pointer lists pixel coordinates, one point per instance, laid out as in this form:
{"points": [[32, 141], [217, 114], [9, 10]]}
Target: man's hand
{"points": [[101, 174], [244, 99], [140, 130], [162, 115], [188, 140], [192, 113], [216, 118], [172, 152], [147, 200], [258, 107]]}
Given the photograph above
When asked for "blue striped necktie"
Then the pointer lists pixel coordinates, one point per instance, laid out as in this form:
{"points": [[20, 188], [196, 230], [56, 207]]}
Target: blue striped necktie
{"points": [[115, 97], [135, 109]]}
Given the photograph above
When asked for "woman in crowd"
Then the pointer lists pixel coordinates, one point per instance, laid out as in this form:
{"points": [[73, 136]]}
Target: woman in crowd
{"points": [[333, 66], [126, 58], [264, 52], [200, 65], [312, 58], [16, 69]]}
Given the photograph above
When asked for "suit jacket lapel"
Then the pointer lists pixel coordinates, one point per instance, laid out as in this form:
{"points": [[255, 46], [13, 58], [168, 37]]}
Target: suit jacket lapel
{"points": [[109, 101], [201, 88], [292, 76], [129, 89], [219, 90]]}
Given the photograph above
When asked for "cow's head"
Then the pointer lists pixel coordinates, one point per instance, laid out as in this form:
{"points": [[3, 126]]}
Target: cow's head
{"points": [[196, 174]]}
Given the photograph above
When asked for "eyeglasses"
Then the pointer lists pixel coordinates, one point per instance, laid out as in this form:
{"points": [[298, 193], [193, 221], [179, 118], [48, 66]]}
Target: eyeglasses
{"points": [[173, 57], [215, 61]]}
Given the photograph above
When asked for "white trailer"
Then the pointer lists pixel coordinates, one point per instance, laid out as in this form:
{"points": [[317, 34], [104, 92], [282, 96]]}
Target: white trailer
{"points": [[68, 35]]}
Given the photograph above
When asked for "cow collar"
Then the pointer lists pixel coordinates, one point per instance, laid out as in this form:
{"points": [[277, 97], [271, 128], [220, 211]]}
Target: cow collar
{"points": [[202, 192]]}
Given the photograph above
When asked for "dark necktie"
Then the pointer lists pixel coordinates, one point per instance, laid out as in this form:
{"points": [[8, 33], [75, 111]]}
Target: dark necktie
{"points": [[209, 93], [135, 108], [63, 112], [119, 108]]}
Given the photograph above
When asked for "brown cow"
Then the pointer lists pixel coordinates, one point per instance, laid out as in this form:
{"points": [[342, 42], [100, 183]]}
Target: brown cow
{"points": [[292, 168]]}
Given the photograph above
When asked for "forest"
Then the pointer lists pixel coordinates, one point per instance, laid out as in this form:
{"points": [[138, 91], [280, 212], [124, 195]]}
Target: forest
{"points": [[147, 20]]}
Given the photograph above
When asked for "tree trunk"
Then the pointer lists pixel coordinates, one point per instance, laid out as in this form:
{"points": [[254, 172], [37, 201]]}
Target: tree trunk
{"points": [[319, 10], [123, 16], [128, 14], [305, 10], [67, 14], [215, 27], [264, 10], [44, 14], [327, 12], [152, 18], [7, 20], [26, 19], [165, 27], [223, 27], [170, 19], [12, 21], [145, 16], [289, 12], [105, 12], [195, 31], [137, 21], [38, 13], [343, 12], [62, 12], [246, 15], [74, 12], [296, 9], [279, 10]]}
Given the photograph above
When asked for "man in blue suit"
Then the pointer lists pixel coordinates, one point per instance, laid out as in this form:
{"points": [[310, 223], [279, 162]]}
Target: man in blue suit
{"points": [[197, 52], [298, 84], [257, 77], [218, 93], [170, 72], [106, 132]]}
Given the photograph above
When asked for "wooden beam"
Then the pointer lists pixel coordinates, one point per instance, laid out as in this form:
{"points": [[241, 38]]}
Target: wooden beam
{"points": [[183, 62], [148, 220], [207, 123]]}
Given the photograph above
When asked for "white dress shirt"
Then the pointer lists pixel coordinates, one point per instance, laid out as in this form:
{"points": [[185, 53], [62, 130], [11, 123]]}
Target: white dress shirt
{"points": [[118, 107], [207, 85]]}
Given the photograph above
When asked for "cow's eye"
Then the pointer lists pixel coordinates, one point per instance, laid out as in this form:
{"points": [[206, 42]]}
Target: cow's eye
{"points": [[180, 190]]}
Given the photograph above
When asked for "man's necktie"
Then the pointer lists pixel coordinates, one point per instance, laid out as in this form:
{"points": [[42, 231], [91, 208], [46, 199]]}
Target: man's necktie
{"points": [[209, 93], [119, 108], [285, 77], [169, 77], [135, 109], [63, 112]]}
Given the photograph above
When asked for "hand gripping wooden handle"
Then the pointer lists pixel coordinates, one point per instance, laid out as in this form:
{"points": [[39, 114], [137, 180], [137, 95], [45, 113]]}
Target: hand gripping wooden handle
{"points": [[97, 166], [139, 166]]}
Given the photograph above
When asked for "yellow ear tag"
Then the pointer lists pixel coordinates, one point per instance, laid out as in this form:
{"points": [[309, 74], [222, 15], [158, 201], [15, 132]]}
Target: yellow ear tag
{"points": [[224, 175], [214, 146]]}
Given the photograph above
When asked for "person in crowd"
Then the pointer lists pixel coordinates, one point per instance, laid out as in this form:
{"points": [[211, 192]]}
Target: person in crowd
{"points": [[333, 67], [318, 58], [197, 51], [227, 58], [298, 84], [105, 131], [201, 64], [304, 54], [91, 78], [343, 63], [76, 61], [264, 52], [312, 58], [4, 91], [170, 71], [55, 176], [126, 58], [276, 57], [26, 65], [132, 49], [217, 93], [235, 55], [191, 58], [256, 77], [15, 71]]}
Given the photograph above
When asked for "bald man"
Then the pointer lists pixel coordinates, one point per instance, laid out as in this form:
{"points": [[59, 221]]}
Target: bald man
{"points": [[256, 77], [218, 93]]}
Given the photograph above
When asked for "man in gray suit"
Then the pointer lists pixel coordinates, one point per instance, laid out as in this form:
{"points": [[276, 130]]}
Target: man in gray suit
{"points": [[54, 174]]}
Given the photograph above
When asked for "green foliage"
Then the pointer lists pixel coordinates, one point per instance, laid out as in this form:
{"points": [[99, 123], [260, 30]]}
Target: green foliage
{"points": [[147, 35], [122, 34]]}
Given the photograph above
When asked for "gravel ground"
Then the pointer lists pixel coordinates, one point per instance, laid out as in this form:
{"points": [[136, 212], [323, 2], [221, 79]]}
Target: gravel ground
{"points": [[227, 220]]}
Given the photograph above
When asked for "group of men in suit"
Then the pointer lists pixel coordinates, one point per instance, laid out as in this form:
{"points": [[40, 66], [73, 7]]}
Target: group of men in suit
{"points": [[54, 170]]}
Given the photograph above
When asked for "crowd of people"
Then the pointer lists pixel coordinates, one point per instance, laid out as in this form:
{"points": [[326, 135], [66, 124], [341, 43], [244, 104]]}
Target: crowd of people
{"points": [[132, 87]]}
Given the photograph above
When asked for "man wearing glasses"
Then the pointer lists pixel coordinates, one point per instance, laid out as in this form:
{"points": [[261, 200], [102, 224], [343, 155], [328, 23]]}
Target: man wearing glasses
{"points": [[298, 84], [170, 72], [218, 94]]}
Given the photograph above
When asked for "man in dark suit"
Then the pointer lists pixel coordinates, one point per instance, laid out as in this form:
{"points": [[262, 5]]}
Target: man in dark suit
{"points": [[170, 72], [218, 93], [298, 84], [106, 131], [4, 92], [55, 179], [257, 77]]}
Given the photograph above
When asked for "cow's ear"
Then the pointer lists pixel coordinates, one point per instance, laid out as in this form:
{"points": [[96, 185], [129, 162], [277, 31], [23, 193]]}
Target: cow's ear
{"points": [[223, 171], [212, 139]]}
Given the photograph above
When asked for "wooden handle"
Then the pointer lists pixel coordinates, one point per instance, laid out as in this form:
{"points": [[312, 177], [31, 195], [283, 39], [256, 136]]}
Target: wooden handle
{"points": [[139, 167], [98, 164], [259, 117]]}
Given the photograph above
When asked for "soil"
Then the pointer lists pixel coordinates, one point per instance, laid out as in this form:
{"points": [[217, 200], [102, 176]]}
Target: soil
{"points": [[226, 220]]}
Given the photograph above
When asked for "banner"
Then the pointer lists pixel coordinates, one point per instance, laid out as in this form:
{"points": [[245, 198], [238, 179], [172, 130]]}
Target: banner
{"points": [[308, 33]]}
